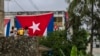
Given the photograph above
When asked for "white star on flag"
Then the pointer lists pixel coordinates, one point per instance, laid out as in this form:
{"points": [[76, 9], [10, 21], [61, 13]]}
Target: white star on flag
{"points": [[35, 26]]}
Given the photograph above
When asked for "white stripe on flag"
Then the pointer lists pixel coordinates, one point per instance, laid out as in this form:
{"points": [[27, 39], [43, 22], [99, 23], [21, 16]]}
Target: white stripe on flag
{"points": [[5, 30], [45, 32]]}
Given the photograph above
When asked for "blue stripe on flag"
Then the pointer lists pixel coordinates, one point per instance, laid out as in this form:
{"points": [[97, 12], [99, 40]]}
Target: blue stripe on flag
{"points": [[17, 24], [51, 25], [8, 29]]}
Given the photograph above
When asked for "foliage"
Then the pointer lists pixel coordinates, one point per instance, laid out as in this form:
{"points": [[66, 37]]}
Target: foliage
{"points": [[58, 43], [74, 51], [80, 40], [79, 13], [62, 52], [81, 53]]}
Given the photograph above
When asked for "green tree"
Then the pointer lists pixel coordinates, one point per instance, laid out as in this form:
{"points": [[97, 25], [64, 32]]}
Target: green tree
{"points": [[78, 14]]}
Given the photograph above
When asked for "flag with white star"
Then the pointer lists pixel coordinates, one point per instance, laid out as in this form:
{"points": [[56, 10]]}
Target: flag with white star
{"points": [[38, 25]]}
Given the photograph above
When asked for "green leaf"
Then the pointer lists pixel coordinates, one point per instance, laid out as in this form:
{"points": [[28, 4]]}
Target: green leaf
{"points": [[74, 51]]}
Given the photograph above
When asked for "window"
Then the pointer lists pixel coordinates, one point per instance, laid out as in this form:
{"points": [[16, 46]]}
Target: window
{"points": [[58, 21]]}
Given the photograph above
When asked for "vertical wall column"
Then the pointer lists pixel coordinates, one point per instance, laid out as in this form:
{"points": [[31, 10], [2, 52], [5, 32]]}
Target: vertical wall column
{"points": [[63, 20], [2, 16]]}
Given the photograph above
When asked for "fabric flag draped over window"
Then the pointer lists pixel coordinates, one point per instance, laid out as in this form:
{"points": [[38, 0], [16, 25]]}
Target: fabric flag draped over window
{"points": [[38, 25], [7, 27]]}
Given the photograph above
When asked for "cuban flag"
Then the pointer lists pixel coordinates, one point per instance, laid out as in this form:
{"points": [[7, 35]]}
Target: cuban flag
{"points": [[38, 25], [6, 27]]}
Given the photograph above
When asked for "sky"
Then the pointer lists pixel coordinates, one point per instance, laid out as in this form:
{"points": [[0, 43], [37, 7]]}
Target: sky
{"points": [[35, 5]]}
